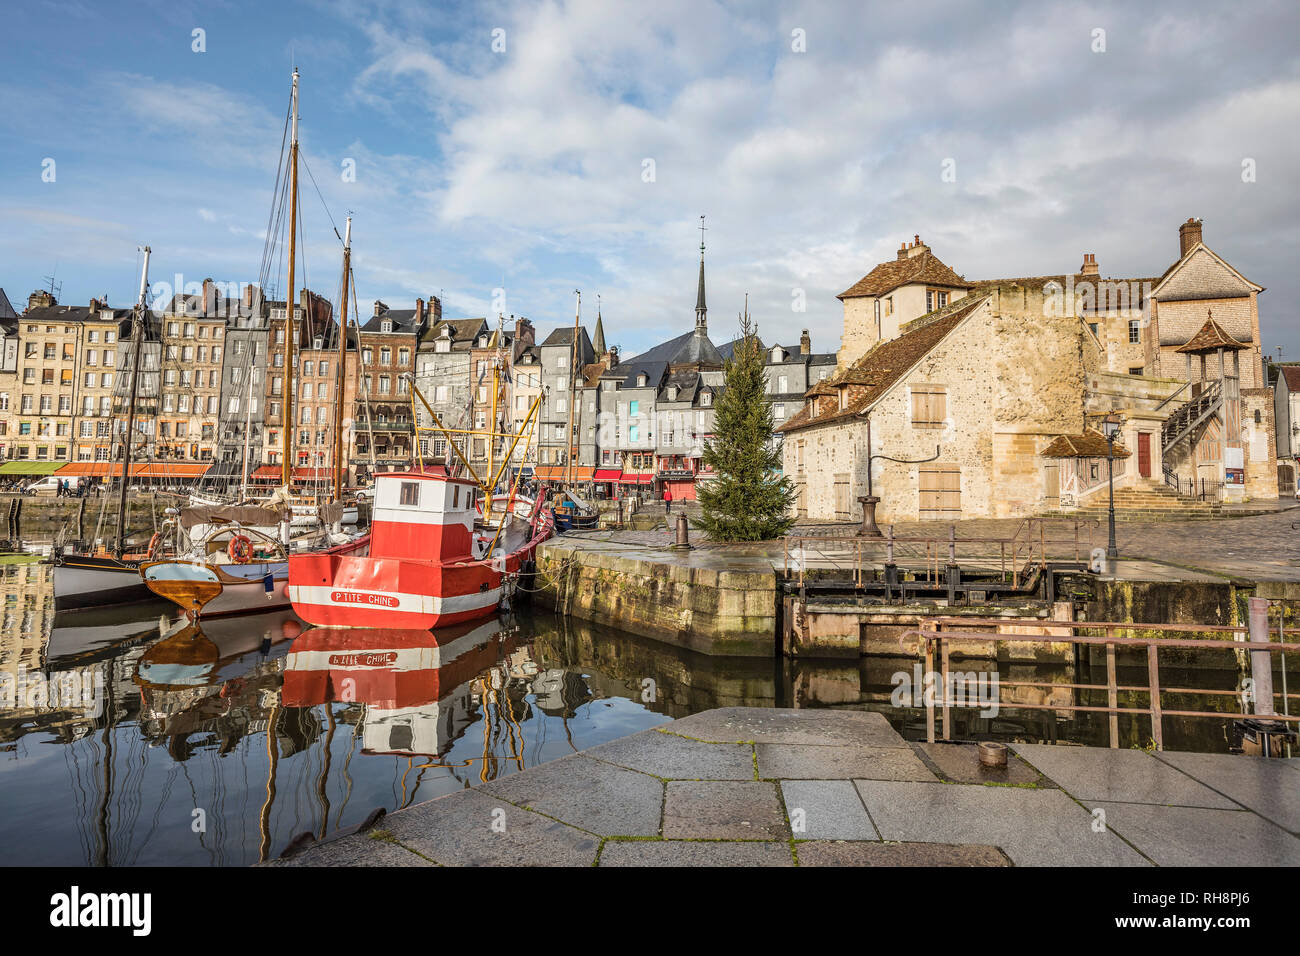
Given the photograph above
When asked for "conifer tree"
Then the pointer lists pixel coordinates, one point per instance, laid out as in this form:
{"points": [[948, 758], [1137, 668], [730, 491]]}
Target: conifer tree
{"points": [[747, 499]]}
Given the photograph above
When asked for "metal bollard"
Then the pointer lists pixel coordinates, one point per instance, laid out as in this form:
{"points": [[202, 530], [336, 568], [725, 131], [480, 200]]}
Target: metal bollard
{"points": [[1261, 662], [683, 542]]}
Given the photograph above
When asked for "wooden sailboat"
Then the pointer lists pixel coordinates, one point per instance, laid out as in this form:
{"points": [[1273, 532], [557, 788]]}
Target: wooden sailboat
{"points": [[106, 579], [239, 564], [571, 511]]}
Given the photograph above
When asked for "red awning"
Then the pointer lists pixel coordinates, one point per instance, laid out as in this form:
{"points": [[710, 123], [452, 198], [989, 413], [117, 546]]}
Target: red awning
{"points": [[631, 479], [607, 474], [266, 472], [143, 469], [275, 473]]}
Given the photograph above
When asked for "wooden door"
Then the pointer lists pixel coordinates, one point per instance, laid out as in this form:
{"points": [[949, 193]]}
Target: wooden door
{"points": [[1144, 454]]}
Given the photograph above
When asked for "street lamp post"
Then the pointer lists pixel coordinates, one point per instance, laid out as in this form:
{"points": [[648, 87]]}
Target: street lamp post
{"points": [[1110, 424]]}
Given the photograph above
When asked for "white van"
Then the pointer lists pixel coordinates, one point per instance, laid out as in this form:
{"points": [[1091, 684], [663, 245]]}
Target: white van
{"points": [[49, 485]]}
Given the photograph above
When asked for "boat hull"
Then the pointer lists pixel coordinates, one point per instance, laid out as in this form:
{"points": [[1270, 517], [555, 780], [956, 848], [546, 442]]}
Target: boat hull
{"points": [[347, 591], [83, 581], [210, 590]]}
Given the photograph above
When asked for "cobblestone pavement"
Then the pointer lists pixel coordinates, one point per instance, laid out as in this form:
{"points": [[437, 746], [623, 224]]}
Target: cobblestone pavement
{"points": [[746, 786], [1256, 548]]}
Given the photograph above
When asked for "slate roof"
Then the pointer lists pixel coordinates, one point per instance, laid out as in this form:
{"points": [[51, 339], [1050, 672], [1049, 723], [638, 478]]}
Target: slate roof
{"points": [[1091, 444], [6, 310], [462, 330], [882, 367], [888, 276], [403, 321], [697, 350], [654, 372], [1211, 338]]}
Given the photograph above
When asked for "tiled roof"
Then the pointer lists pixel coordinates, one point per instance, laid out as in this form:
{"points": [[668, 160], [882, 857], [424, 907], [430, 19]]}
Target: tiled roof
{"points": [[888, 276], [1292, 375], [1091, 444], [1211, 338], [884, 365]]}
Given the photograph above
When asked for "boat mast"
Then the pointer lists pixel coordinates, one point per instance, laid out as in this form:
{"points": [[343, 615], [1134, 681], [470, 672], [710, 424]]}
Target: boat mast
{"points": [[248, 424], [343, 339], [573, 390], [286, 466], [137, 334]]}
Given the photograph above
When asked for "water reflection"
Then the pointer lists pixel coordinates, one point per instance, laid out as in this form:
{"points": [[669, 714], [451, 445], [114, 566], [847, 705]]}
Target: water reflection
{"points": [[131, 737]]}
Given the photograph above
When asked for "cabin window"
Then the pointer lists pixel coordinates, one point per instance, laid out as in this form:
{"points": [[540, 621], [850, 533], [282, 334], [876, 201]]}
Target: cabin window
{"points": [[410, 494], [455, 496]]}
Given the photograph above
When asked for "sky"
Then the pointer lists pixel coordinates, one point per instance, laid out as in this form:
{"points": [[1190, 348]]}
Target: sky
{"points": [[545, 147]]}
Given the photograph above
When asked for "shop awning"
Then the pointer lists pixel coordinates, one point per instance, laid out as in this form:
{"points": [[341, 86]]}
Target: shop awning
{"points": [[31, 467], [91, 469], [275, 473], [608, 474], [169, 469], [631, 479], [266, 473], [564, 473]]}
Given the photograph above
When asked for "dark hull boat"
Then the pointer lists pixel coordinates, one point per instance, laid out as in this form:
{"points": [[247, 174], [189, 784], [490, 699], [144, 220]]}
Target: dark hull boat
{"points": [[87, 581]]}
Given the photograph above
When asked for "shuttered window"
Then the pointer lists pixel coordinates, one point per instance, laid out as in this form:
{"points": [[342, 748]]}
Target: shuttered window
{"points": [[940, 487], [929, 406]]}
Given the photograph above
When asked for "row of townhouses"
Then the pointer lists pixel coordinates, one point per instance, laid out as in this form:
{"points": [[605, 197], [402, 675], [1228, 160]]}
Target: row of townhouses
{"points": [[211, 392]]}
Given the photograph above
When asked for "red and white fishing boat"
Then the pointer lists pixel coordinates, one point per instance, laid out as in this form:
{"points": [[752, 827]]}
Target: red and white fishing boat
{"points": [[434, 558]]}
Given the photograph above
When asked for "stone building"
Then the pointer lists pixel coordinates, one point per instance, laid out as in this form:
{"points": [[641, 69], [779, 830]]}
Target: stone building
{"points": [[97, 381], [561, 371], [313, 318], [976, 396], [1286, 423], [243, 383], [894, 293], [193, 341], [388, 342], [443, 375], [45, 379]]}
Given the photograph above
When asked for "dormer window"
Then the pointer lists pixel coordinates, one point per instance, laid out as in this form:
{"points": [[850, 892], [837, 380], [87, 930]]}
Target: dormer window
{"points": [[386, 325], [318, 343], [672, 393], [706, 398], [642, 380]]}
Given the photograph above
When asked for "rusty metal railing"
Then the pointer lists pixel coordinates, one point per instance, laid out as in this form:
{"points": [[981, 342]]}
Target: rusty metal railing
{"points": [[1016, 556], [934, 635]]}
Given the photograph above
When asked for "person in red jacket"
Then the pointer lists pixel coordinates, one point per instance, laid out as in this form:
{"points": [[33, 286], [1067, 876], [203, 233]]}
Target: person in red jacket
{"points": [[668, 501]]}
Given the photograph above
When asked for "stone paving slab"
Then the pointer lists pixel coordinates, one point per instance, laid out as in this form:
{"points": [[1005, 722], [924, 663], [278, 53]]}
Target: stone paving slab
{"points": [[708, 853], [1264, 785], [457, 830], [766, 725], [358, 849], [795, 762], [1196, 836], [826, 853], [1034, 827], [961, 763], [826, 810], [723, 810], [678, 758], [1094, 774], [587, 793]]}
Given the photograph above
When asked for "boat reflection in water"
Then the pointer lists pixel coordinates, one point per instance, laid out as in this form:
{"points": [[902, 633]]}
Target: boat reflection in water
{"points": [[422, 690]]}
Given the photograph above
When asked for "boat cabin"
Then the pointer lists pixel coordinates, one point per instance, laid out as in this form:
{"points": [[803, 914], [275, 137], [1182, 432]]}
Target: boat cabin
{"points": [[423, 516]]}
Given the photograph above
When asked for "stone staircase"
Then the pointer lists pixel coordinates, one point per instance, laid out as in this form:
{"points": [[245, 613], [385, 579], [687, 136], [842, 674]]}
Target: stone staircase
{"points": [[1153, 502]]}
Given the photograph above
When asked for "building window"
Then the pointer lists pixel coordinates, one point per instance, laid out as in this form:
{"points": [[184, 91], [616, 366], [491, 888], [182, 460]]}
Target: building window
{"points": [[940, 490], [889, 305], [929, 406], [1135, 370], [1134, 331]]}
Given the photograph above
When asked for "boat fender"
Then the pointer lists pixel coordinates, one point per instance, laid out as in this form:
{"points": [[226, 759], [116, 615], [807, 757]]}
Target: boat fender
{"points": [[240, 549], [268, 585]]}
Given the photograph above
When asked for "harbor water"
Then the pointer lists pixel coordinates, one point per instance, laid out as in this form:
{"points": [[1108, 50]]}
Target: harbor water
{"points": [[128, 737]]}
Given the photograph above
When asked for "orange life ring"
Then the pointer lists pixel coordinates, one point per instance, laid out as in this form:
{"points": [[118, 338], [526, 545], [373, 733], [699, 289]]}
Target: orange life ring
{"points": [[240, 549], [153, 543]]}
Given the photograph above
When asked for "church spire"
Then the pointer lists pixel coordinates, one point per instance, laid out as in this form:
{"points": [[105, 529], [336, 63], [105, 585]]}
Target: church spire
{"points": [[701, 310], [598, 338]]}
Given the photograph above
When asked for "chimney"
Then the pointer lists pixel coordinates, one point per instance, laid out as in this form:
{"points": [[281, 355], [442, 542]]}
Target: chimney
{"points": [[902, 250], [1089, 267], [613, 357], [435, 310], [248, 296], [380, 307], [805, 343], [916, 248], [95, 306], [41, 299], [1189, 234], [419, 314], [207, 297], [524, 332]]}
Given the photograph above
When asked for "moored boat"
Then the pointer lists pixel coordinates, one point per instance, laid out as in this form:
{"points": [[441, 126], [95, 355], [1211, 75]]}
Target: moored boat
{"points": [[433, 559]]}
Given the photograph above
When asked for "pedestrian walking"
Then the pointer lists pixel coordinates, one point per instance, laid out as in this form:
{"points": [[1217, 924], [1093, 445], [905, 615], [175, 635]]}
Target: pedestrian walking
{"points": [[668, 501]]}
